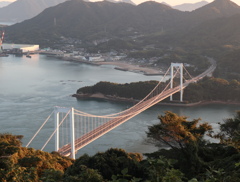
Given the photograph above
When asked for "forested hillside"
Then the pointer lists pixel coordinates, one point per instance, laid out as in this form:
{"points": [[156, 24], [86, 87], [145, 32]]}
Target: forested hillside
{"points": [[208, 89], [90, 21]]}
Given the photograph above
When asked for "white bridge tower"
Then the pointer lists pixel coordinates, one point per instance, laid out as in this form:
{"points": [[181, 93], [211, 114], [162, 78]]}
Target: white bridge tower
{"points": [[70, 112], [180, 66]]}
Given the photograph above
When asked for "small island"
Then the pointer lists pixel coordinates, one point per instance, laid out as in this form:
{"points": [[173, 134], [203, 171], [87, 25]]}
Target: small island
{"points": [[208, 90]]}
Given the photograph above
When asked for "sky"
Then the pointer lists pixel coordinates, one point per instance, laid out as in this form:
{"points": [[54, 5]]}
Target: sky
{"points": [[170, 2]]}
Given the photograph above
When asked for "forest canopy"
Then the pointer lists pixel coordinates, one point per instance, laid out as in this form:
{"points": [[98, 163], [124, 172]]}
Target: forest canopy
{"points": [[207, 89]]}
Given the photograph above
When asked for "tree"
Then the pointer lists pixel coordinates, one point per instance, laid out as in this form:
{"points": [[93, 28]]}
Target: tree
{"points": [[176, 132], [84, 174], [109, 163], [161, 169], [230, 131], [184, 138], [18, 163]]}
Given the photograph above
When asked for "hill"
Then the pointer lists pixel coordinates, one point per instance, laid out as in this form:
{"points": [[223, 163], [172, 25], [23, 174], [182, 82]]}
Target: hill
{"points": [[190, 6], [145, 24], [216, 9], [213, 33], [25, 9], [84, 19]]}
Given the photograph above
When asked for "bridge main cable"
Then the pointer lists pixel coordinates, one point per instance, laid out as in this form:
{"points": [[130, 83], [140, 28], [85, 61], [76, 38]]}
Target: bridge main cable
{"points": [[115, 114]]}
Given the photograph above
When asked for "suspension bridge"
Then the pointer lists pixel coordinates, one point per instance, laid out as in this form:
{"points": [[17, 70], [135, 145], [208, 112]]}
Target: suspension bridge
{"points": [[75, 129]]}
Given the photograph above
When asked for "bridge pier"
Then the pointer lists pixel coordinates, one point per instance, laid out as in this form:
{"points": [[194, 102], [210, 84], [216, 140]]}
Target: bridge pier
{"points": [[180, 66]]}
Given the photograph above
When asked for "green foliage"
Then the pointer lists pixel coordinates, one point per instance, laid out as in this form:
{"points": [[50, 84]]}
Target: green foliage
{"points": [[26, 164], [185, 138], [51, 175], [84, 174], [146, 54], [9, 144], [208, 89], [18, 174], [213, 89], [215, 175], [230, 131], [176, 132], [124, 177], [109, 163], [190, 158], [135, 90], [197, 159], [161, 170], [228, 65], [197, 62], [115, 44]]}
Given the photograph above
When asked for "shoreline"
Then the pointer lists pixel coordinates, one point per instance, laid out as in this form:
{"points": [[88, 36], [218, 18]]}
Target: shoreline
{"points": [[122, 99], [119, 65]]}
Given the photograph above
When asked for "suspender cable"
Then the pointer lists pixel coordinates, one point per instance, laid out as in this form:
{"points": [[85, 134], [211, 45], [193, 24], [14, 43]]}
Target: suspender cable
{"points": [[39, 129], [54, 131]]}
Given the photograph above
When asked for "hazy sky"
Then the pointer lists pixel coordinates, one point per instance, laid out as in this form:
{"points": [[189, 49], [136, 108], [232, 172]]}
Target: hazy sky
{"points": [[170, 2]]}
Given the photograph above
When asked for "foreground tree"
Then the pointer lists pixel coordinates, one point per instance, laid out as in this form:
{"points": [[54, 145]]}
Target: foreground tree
{"points": [[230, 131], [184, 138], [109, 163], [176, 132], [27, 164]]}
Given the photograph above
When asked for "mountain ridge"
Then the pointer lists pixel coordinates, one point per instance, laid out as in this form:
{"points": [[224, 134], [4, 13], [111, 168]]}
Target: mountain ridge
{"points": [[25, 9], [190, 6], [97, 20]]}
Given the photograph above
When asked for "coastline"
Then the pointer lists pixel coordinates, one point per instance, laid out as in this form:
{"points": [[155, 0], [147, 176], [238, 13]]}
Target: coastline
{"points": [[120, 65], [124, 66], [122, 99]]}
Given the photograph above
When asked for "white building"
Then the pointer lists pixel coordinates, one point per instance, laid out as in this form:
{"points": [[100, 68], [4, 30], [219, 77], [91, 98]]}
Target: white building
{"points": [[96, 59], [24, 47]]}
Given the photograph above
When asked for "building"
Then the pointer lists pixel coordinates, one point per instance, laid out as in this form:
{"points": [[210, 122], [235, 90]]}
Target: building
{"points": [[24, 47]]}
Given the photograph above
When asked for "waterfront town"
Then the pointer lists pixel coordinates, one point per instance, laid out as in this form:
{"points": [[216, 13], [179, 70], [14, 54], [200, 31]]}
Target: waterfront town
{"points": [[69, 53]]}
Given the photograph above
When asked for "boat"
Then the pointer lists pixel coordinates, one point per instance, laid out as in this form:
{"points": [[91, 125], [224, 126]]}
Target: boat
{"points": [[28, 55]]}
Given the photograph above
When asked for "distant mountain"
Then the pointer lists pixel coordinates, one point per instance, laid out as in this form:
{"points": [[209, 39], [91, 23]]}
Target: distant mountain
{"points": [[82, 19], [165, 3], [25, 9], [218, 32], [216, 9], [127, 1], [155, 21], [4, 3], [121, 1], [190, 6]]}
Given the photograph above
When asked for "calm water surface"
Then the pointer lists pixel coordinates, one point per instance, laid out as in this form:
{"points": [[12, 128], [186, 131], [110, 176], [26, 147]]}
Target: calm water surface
{"points": [[30, 88]]}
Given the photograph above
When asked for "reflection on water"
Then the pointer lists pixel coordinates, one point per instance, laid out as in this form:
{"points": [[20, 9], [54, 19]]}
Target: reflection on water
{"points": [[30, 88]]}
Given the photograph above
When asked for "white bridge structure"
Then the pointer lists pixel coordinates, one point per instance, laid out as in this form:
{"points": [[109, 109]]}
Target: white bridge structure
{"points": [[75, 129]]}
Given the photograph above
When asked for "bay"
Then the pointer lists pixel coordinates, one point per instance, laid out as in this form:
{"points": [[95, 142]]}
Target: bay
{"points": [[30, 88]]}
